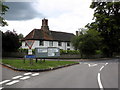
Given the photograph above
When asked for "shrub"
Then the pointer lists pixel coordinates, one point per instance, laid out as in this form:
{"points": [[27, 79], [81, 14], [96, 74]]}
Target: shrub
{"points": [[26, 51], [71, 52]]}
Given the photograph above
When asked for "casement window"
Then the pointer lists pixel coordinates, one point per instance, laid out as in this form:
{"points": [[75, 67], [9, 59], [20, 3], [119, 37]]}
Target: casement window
{"points": [[68, 43], [25, 44], [59, 43], [68, 48], [50, 43], [41, 43]]}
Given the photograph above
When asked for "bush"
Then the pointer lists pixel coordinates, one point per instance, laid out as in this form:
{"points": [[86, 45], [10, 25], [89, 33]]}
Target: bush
{"points": [[23, 50], [99, 52], [71, 52], [26, 51]]}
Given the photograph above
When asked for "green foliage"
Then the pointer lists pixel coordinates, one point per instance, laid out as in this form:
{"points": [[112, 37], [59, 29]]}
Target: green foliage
{"points": [[21, 36], [3, 11], [75, 42], [10, 41], [70, 52], [87, 43], [99, 52], [26, 51], [23, 50], [107, 22]]}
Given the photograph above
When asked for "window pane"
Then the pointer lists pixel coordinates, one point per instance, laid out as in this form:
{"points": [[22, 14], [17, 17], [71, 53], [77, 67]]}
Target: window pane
{"points": [[68, 48], [51, 43], [41, 43], [59, 43], [68, 43]]}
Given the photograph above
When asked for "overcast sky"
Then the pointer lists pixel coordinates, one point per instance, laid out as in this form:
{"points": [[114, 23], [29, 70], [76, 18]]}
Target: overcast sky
{"points": [[62, 15]]}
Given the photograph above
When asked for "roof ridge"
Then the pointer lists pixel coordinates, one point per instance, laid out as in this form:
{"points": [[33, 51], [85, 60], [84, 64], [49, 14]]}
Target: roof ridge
{"points": [[61, 32]]}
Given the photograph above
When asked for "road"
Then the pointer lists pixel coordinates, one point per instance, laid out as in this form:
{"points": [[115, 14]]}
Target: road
{"points": [[87, 74]]}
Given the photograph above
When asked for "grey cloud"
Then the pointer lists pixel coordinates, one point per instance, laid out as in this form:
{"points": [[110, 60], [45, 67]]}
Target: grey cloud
{"points": [[21, 11]]}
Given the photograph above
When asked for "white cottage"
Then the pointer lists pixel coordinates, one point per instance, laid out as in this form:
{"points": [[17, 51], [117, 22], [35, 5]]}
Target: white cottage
{"points": [[46, 38]]}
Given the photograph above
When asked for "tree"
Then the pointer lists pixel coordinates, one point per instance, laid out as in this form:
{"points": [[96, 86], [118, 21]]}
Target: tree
{"points": [[75, 39], [87, 43], [107, 22], [3, 10], [21, 36], [10, 41]]}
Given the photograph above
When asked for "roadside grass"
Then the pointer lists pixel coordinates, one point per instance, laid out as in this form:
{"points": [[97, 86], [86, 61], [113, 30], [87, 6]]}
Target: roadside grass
{"points": [[39, 65]]}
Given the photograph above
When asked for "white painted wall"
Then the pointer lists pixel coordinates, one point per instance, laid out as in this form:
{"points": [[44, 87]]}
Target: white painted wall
{"points": [[46, 44], [55, 44], [36, 44]]}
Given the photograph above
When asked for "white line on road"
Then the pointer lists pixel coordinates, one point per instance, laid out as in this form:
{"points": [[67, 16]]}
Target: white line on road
{"points": [[101, 68], [4, 81], [106, 64], [23, 78], [13, 82], [1, 88], [99, 82], [27, 73], [35, 74], [92, 65], [16, 77]]}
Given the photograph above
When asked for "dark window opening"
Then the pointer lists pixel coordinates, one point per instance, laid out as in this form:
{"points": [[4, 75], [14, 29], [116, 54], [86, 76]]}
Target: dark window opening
{"points": [[41, 43], [68, 43], [59, 43], [68, 48]]}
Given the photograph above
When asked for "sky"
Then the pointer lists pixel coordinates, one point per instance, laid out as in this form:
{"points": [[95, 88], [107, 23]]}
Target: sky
{"points": [[63, 15]]}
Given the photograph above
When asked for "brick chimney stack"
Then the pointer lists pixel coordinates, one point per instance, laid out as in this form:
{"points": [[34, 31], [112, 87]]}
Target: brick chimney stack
{"points": [[45, 24]]}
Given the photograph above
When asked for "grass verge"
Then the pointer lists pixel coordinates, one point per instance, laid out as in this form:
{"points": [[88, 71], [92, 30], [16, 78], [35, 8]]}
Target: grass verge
{"points": [[43, 65]]}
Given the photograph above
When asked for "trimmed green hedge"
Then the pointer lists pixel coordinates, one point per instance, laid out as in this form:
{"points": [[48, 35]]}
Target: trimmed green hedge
{"points": [[26, 51], [71, 52]]}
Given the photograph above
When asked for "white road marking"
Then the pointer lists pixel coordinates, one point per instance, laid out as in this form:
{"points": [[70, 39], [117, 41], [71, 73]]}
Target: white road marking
{"points": [[26, 77], [101, 68], [106, 64], [13, 82], [16, 77], [4, 81], [1, 88], [99, 82], [35, 74], [85, 63], [27, 73], [92, 65]]}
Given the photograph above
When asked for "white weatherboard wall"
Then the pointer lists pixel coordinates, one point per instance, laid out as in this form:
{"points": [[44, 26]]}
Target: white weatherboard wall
{"points": [[46, 44]]}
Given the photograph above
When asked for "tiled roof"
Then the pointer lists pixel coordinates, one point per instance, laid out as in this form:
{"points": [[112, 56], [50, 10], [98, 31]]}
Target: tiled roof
{"points": [[62, 36], [38, 34]]}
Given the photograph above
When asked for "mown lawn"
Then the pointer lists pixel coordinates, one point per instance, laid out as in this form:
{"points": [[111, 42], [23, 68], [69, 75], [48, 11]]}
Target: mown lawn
{"points": [[39, 65]]}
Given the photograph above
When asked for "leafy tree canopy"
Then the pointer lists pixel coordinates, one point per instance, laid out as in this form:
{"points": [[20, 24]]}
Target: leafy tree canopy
{"points": [[10, 41], [87, 43], [107, 22], [3, 10]]}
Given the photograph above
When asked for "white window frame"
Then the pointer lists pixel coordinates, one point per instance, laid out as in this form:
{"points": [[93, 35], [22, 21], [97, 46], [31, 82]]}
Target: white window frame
{"points": [[50, 43]]}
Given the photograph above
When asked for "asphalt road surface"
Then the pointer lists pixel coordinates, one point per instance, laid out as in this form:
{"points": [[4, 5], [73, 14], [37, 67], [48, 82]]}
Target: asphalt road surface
{"points": [[87, 74]]}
